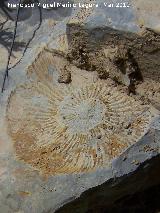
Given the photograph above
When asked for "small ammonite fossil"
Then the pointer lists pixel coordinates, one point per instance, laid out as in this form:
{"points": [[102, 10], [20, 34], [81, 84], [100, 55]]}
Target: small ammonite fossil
{"points": [[73, 130]]}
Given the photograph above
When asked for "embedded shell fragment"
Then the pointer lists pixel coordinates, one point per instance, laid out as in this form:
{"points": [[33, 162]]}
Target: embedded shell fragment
{"points": [[75, 129]]}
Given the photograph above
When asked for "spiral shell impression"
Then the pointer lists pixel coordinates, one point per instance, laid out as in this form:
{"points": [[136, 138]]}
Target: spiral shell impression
{"points": [[73, 130]]}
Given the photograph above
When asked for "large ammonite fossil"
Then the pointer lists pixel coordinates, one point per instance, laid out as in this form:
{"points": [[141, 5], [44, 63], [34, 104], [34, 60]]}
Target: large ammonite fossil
{"points": [[75, 129]]}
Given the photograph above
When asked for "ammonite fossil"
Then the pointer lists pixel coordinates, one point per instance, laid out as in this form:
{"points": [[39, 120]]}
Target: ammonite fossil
{"points": [[74, 129]]}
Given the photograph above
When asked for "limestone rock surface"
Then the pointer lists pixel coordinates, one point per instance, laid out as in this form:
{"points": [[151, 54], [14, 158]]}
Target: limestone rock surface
{"points": [[72, 139]]}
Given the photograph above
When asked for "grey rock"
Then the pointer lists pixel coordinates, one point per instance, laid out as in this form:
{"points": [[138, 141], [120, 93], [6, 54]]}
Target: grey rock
{"points": [[131, 18], [22, 188]]}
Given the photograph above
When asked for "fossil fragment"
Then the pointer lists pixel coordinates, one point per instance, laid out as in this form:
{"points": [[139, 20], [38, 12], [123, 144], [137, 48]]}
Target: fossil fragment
{"points": [[44, 65], [65, 76], [74, 129]]}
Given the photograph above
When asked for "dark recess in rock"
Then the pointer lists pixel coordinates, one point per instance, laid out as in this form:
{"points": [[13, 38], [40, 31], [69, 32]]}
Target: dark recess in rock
{"points": [[129, 193]]}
